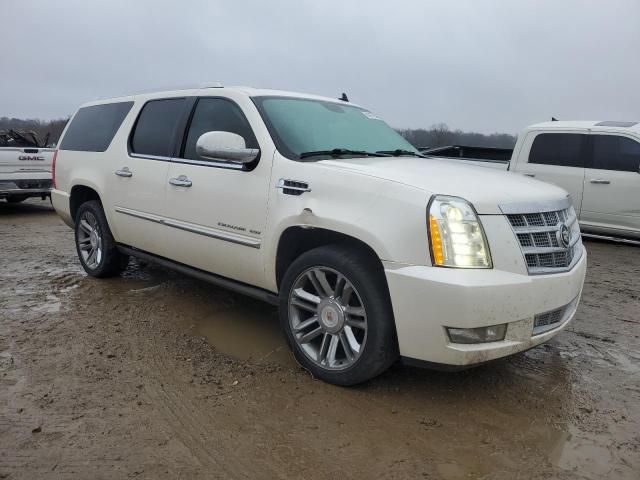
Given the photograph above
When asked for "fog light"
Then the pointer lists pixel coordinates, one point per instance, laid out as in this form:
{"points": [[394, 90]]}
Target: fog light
{"points": [[494, 333]]}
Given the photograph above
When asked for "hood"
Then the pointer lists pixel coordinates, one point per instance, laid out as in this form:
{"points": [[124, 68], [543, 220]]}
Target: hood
{"points": [[485, 188]]}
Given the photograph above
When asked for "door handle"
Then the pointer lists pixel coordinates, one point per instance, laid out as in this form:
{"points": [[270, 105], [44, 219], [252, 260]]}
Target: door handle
{"points": [[530, 174], [124, 172], [600, 181], [181, 181]]}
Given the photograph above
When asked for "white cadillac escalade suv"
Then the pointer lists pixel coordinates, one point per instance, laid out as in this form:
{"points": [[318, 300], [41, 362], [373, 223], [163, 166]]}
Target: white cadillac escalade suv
{"points": [[315, 204]]}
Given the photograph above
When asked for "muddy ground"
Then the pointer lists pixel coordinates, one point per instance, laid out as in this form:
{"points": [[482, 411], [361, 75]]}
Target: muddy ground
{"points": [[156, 375]]}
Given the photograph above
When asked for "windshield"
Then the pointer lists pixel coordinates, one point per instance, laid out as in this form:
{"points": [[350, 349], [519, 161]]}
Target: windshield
{"points": [[306, 129]]}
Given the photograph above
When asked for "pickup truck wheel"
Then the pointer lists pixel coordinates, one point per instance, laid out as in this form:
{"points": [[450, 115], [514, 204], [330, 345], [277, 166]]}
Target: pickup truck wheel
{"points": [[336, 314], [94, 243], [17, 198]]}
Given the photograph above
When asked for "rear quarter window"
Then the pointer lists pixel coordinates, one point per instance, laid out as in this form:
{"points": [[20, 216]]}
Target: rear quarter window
{"points": [[561, 149], [93, 128]]}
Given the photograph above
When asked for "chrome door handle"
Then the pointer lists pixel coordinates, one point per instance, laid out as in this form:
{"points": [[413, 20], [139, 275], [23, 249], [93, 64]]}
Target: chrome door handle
{"points": [[181, 181], [124, 172], [530, 174], [600, 181]]}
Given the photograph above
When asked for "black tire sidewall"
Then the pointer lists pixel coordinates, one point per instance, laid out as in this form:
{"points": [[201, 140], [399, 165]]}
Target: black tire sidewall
{"points": [[380, 349]]}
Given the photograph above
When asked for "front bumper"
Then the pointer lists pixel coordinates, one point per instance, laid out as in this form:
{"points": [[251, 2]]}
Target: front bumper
{"points": [[426, 300]]}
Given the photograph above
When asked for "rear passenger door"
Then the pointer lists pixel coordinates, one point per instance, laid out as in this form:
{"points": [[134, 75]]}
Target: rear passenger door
{"points": [[216, 210], [138, 175], [557, 158], [612, 184]]}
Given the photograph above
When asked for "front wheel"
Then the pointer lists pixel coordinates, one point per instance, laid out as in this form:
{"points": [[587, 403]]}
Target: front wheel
{"points": [[336, 315], [95, 245]]}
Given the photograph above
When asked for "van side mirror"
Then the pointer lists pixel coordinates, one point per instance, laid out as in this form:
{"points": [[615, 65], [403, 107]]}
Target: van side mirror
{"points": [[225, 146]]}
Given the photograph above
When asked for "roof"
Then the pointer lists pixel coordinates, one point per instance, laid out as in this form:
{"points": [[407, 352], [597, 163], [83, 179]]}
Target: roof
{"points": [[203, 89], [587, 124]]}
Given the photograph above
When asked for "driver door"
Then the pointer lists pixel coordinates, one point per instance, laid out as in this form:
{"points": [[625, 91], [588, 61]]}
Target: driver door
{"points": [[215, 210]]}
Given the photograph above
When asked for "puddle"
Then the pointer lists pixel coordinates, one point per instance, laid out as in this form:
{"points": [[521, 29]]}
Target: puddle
{"points": [[248, 331], [581, 453]]}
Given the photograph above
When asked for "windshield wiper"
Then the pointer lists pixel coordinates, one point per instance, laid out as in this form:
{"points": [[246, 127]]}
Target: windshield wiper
{"points": [[399, 152], [337, 152]]}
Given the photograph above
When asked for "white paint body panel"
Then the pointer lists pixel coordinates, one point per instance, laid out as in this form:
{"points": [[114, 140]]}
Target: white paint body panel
{"points": [[611, 208], [379, 201]]}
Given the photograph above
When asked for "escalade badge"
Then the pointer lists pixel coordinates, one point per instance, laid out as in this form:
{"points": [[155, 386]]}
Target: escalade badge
{"points": [[564, 235]]}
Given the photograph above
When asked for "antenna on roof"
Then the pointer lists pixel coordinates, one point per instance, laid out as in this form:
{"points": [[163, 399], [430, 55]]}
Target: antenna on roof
{"points": [[344, 97], [554, 119]]}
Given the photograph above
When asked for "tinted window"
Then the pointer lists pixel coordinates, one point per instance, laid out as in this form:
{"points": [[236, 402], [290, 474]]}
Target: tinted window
{"points": [[564, 149], [155, 129], [611, 152], [93, 128], [216, 114]]}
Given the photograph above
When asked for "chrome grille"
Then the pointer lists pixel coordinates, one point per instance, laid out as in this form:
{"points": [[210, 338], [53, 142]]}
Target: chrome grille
{"points": [[540, 237], [543, 322]]}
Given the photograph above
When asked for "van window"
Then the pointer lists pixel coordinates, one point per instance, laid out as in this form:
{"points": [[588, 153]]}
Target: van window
{"points": [[93, 128], [155, 129], [562, 149], [217, 114], [613, 152]]}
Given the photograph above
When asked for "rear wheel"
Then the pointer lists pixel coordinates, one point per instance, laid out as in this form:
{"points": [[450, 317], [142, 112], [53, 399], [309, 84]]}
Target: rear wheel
{"points": [[336, 314], [95, 245], [17, 198]]}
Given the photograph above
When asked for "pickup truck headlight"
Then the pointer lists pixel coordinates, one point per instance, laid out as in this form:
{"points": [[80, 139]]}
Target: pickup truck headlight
{"points": [[455, 234]]}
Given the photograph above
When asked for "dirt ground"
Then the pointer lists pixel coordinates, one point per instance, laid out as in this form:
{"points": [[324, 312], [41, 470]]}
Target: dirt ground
{"points": [[156, 375]]}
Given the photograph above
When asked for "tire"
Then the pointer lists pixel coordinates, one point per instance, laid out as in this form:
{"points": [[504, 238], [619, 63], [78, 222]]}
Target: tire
{"points": [[95, 245], [353, 336], [17, 198]]}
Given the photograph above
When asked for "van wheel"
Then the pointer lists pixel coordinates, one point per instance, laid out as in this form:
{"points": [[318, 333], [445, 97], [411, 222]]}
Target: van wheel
{"points": [[94, 243], [336, 314]]}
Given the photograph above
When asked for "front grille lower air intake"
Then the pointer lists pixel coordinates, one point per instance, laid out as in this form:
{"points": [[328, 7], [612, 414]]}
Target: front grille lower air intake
{"points": [[548, 234]]}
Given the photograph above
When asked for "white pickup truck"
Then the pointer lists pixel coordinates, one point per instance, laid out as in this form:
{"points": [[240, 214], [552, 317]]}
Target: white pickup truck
{"points": [[316, 205], [598, 163], [25, 169]]}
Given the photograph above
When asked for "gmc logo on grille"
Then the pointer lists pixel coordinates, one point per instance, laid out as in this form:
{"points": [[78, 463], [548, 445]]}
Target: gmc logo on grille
{"points": [[30, 158]]}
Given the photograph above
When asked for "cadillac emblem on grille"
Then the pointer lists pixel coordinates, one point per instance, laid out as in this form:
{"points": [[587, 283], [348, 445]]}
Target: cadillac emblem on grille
{"points": [[564, 235]]}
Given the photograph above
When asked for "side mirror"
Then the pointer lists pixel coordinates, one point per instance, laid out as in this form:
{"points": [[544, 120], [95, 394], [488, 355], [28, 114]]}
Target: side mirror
{"points": [[225, 146]]}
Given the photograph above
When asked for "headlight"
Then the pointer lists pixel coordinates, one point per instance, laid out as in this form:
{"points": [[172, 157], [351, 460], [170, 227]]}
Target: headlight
{"points": [[455, 234]]}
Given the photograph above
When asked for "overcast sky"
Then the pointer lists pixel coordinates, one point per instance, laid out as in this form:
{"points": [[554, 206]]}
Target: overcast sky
{"points": [[483, 65]]}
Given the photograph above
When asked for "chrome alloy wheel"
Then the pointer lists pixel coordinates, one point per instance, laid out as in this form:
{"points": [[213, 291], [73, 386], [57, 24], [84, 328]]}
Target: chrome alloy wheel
{"points": [[90, 240], [327, 318]]}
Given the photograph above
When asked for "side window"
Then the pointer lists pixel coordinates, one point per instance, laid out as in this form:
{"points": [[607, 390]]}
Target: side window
{"points": [[611, 152], [155, 129], [562, 149], [216, 114], [93, 128]]}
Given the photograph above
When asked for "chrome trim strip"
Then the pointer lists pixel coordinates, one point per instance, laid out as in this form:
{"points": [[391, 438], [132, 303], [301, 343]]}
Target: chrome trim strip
{"points": [[535, 207], [204, 163], [188, 227], [212, 233], [142, 215], [611, 238], [150, 157]]}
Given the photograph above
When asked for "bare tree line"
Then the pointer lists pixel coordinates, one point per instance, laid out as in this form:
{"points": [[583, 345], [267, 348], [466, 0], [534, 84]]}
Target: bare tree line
{"points": [[436, 136], [440, 135], [42, 128]]}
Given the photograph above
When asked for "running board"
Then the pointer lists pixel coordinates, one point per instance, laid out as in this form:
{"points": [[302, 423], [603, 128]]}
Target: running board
{"points": [[219, 281], [628, 241]]}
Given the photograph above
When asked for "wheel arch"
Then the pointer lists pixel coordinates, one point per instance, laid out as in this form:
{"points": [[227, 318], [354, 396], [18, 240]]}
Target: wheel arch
{"points": [[296, 240], [80, 194]]}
